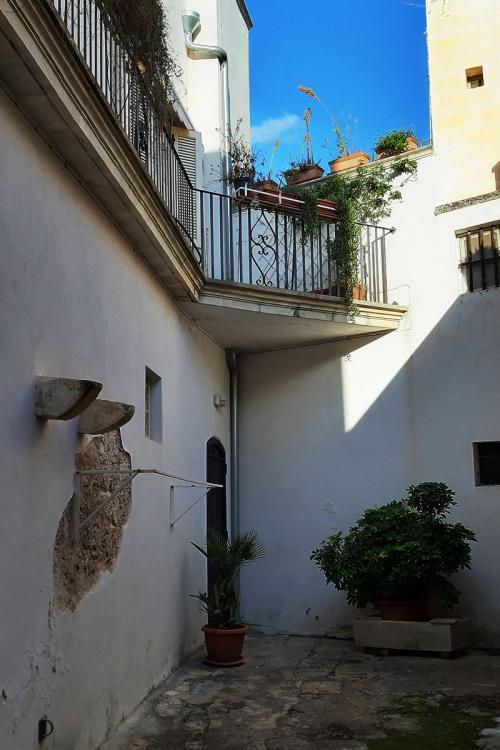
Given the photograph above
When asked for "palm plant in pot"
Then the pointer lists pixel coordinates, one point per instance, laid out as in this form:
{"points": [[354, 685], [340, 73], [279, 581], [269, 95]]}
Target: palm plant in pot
{"points": [[224, 633], [399, 555]]}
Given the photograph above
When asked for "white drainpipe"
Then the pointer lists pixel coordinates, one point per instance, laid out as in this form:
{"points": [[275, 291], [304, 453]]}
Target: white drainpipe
{"points": [[192, 27]]}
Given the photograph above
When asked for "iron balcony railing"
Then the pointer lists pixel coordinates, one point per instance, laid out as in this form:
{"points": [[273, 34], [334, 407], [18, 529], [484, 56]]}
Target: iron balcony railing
{"points": [[253, 237], [260, 238], [121, 82]]}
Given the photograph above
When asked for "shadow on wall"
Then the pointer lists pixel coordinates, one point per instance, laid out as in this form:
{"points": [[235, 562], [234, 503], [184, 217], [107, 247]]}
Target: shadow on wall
{"points": [[302, 473]]}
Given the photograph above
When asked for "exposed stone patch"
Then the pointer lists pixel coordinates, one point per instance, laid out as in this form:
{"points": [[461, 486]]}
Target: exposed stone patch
{"points": [[78, 567]]}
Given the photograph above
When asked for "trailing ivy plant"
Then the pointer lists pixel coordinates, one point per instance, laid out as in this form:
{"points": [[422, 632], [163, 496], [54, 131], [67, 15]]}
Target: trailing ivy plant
{"points": [[143, 28], [363, 196]]}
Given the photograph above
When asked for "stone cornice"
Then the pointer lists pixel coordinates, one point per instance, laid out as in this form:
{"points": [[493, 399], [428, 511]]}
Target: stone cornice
{"points": [[81, 128]]}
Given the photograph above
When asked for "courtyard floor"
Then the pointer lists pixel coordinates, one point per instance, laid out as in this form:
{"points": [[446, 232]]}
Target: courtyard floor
{"points": [[295, 693]]}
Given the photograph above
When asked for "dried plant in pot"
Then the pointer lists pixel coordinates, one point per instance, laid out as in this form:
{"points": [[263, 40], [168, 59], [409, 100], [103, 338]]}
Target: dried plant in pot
{"points": [[397, 556], [224, 633]]}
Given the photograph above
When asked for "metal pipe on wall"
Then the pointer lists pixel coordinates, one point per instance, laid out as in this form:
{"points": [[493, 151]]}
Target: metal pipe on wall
{"points": [[192, 26], [232, 363]]}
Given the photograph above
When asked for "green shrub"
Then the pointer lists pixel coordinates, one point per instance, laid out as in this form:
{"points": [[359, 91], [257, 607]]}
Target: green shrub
{"points": [[402, 550], [394, 142]]}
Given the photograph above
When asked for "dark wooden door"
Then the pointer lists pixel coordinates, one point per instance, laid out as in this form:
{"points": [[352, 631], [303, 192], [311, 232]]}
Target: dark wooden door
{"points": [[216, 500]]}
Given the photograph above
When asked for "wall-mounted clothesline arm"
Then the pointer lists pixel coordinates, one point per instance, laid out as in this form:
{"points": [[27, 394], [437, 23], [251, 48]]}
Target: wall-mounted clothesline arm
{"points": [[77, 524]]}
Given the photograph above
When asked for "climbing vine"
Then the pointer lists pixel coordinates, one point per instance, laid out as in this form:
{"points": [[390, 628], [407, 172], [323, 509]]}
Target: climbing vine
{"points": [[364, 196]]}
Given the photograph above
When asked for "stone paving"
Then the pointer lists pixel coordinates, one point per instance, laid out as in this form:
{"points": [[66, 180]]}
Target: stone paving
{"points": [[295, 693]]}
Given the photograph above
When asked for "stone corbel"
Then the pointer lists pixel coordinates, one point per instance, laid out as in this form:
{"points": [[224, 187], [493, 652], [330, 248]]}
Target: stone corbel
{"points": [[104, 416], [63, 398]]}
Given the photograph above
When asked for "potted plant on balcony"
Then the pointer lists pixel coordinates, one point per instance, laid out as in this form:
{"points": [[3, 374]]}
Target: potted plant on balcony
{"points": [[304, 169], [224, 633], [399, 555], [396, 142], [243, 159]]}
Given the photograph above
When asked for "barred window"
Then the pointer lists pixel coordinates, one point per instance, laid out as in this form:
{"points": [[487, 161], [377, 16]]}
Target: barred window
{"points": [[479, 256]]}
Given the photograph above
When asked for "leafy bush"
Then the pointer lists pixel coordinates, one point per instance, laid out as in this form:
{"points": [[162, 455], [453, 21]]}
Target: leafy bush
{"points": [[221, 604], [402, 550], [394, 143]]}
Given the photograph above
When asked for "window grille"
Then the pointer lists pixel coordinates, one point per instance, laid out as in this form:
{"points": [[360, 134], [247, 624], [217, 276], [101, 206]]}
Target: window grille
{"points": [[479, 259]]}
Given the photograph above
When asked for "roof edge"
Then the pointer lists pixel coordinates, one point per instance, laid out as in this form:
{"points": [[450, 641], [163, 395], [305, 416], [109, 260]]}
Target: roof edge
{"points": [[244, 12]]}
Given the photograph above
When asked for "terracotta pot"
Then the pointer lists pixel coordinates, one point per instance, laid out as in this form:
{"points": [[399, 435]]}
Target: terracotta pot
{"points": [[314, 172], [268, 186], [224, 647], [326, 209], [350, 161], [358, 291], [412, 610], [411, 145]]}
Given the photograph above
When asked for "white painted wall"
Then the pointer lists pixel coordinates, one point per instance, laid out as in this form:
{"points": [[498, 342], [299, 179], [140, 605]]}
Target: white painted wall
{"points": [[324, 436], [222, 24], [77, 302]]}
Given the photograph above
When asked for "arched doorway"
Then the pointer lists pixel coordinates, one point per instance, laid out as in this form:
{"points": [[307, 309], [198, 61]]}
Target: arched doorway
{"points": [[216, 499]]}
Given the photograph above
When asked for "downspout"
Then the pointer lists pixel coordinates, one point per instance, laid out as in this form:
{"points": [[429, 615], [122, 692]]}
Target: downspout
{"points": [[192, 26], [231, 359]]}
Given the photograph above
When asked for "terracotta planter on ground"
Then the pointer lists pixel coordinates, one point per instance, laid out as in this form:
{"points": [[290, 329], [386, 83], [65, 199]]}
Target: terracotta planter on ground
{"points": [[224, 647], [314, 172], [413, 610], [350, 161]]}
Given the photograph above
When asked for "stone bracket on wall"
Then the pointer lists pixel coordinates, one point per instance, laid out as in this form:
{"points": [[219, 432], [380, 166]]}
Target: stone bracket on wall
{"points": [[64, 398], [129, 475], [104, 416]]}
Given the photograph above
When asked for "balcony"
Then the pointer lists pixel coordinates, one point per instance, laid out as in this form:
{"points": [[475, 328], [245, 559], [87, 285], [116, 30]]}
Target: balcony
{"points": [[243, 265]]}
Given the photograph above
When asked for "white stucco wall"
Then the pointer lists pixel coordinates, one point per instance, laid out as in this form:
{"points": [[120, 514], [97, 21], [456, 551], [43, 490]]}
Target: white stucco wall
{"points": [[222, 24], [77, 302], [324, 436]]}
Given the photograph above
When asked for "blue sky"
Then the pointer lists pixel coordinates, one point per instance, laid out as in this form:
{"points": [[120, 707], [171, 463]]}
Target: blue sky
{"points": [[365, 59]]}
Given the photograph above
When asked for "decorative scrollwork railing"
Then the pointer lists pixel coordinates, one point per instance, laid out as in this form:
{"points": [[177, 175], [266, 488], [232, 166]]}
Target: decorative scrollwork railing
{"points": [[261, 241]]}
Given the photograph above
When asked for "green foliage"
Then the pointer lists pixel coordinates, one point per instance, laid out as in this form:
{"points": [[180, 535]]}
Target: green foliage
{"points": [[301, 165], [363, 196], [402, 550], [229, 555], [143, 28], [394, 143]]}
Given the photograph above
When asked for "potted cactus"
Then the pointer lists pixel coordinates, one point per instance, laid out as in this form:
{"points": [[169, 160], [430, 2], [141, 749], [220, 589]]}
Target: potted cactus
{"points": [[224, 632]]}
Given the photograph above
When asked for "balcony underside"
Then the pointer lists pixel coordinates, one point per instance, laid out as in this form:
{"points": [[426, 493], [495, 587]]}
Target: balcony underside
{"points": [[251, 318]]}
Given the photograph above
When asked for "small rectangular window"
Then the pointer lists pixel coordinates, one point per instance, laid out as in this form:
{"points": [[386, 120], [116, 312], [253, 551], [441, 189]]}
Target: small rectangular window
{"points": [[475, 77], [487, 463], [152, 406]]}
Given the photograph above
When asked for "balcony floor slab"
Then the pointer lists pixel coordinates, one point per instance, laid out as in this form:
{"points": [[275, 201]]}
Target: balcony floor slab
{"points": [[251, 318]]}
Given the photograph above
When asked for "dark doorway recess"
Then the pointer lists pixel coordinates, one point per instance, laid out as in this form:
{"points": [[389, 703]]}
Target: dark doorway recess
{"points": [[216, 500]]}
